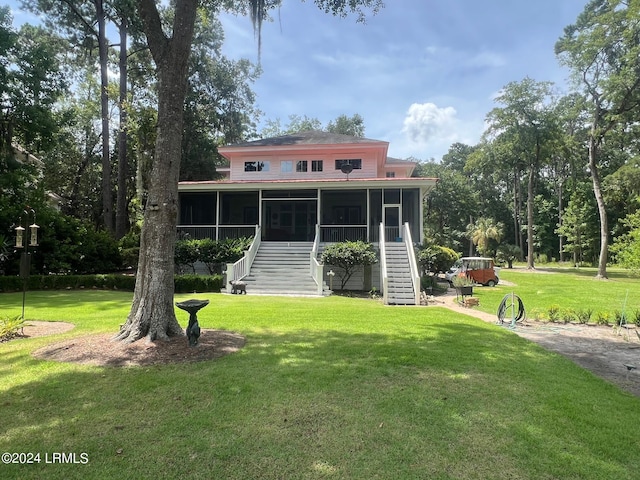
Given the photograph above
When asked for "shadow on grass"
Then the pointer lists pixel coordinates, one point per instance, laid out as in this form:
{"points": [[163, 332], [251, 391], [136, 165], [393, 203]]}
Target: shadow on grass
{"points": [[441, 399]]}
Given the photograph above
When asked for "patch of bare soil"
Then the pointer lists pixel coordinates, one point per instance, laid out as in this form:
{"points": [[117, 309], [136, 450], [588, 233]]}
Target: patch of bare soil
{"points": [[36, 328], [101, 350], [603, 350]]}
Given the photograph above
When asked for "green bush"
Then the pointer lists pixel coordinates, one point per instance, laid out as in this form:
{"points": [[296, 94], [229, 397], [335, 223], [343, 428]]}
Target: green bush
{"points": [[198, 283], [567, 315], [553, 313], [183, 283], [213, 253], [602, 318], [584, 315], [9, 326], [186, 255], [436, 258], [349, 256]]}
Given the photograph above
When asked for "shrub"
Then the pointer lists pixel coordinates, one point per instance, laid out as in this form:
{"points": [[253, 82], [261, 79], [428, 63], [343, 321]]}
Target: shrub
{"points": [[436, 258], [429, 283], [636, 318], [567, 315], [198, 283], [349, 256], [553, 313], [9, 326], [214, 254], [584, 315], [537, 314], [602, 318], [186, 255]]}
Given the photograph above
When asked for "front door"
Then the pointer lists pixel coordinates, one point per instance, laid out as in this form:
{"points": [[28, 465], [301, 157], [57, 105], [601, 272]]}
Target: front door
{"points": [[289, 220], [392, 222]]}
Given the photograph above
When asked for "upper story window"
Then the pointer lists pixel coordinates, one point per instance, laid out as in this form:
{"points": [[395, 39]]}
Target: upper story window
{"points": [[316, 165], [356, 163], [256, 166], [286, 166], [301, 166], [391, 174]]}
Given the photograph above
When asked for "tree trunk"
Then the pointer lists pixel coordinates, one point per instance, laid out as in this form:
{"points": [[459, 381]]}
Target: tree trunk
{"points": [[103, 47], [152, 312], [530, 252], [121, 200], [597, 191], [516, 226], [560, 236]]}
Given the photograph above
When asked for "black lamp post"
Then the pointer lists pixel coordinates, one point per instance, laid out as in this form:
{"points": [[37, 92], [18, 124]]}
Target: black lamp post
{"points": [[22, 242]]}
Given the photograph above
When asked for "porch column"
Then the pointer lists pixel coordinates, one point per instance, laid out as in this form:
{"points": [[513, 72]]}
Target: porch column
{"points": [[218, 208]]}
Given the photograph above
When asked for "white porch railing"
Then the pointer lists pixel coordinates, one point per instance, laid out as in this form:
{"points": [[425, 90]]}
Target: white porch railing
{"points": [[413, 265], [384, 278], [341, 233], [315, 267], [215, 232], [242, 267]]}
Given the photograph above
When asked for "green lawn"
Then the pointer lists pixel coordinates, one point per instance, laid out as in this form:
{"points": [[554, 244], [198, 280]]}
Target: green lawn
{"points": [[571, 290], [325, 388]]}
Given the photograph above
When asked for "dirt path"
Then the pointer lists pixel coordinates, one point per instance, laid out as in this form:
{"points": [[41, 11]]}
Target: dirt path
{"points": [[599, 349]]}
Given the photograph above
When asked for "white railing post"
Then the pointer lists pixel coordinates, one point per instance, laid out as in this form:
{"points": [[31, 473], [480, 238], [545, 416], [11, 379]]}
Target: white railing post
{"points": [[229, 277], [242, 267], [413, 265], [316, 269], [383, 266]]}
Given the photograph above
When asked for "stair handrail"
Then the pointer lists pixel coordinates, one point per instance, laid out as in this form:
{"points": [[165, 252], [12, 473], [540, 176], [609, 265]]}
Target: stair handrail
{"points": [[242, 267], [413, 265], [316, 268], [384, 278]]}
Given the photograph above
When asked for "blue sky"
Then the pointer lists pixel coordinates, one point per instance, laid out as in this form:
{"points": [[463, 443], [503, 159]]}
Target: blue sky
{"points": [[422, 73]]}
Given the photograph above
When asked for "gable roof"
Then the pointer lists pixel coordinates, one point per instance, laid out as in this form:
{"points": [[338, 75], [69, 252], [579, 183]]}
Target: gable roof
{"points": [[309, 137]]}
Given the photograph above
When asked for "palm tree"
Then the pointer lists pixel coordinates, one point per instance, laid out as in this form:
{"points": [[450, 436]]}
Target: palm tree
{"points": [[483, 231]]}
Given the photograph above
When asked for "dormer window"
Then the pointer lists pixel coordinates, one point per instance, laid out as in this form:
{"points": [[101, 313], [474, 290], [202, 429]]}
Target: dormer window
{"points": [[356, 163], [262, 166]]}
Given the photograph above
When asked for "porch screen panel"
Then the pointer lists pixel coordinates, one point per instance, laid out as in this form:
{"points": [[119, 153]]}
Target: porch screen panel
{"points": [[411, 211], [344, 207], [239, 208], [197, 209], [375, 213]]}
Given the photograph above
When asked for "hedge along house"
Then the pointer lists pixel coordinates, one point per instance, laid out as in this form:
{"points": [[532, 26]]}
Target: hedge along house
{"points": [[297, 193]]}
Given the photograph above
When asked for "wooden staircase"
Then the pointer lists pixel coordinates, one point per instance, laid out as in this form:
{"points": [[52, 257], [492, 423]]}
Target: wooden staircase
{"points": [[400, 290], [282, 268]]}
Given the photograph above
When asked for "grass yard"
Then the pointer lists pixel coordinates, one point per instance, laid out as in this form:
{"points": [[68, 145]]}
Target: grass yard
{"points": [[569, 291], [325, 388]]}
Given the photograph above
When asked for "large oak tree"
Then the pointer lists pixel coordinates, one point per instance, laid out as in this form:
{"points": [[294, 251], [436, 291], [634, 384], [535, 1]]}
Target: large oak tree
{"points": [[602, 49], [152, 312]]}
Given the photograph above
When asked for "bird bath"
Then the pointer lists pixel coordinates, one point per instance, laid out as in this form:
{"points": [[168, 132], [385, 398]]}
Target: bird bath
{"points": [[192, 307]]}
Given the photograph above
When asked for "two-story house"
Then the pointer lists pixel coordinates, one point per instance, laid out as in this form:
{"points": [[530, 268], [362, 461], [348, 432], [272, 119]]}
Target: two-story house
{"points": [[305, 190]]}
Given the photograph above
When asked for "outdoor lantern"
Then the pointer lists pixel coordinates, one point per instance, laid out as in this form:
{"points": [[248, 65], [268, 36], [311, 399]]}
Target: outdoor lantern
{"points": [[19, 236], [34, 235]]}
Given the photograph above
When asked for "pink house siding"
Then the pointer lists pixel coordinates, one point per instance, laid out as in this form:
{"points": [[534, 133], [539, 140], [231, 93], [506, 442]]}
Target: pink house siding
{"points": [[289, 203]]}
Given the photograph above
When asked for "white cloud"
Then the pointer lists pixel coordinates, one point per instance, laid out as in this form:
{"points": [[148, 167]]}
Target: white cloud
{"points": [[426, 122]]}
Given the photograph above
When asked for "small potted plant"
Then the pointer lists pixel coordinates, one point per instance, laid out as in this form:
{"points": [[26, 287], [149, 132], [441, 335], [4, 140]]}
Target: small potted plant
{"points": [[463, 285]]}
